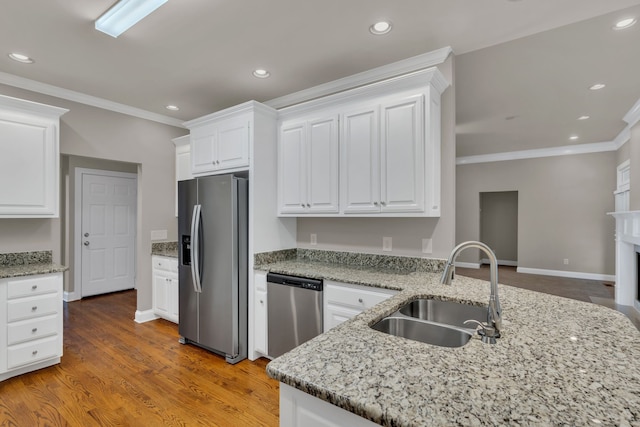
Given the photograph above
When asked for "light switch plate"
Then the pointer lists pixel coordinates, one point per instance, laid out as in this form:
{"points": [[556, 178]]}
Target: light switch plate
{"points": [[427, 246], [158, 234], [387, 244]]}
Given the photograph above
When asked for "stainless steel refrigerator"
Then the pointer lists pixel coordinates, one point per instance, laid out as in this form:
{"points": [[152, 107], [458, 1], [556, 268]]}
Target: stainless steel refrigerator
{"points": [[213, 229]]}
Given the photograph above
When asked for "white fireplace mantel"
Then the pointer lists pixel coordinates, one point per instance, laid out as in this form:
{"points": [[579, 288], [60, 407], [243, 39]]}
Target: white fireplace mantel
{"points": [[627, 238]]}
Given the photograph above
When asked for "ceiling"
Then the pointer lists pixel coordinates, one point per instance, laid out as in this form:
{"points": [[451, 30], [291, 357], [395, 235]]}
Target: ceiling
{"points": [[531, 61]]}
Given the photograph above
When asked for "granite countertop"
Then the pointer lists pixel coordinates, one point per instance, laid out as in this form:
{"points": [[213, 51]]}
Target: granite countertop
{"points": [[17, 264], [559, 361], [168, 249]]}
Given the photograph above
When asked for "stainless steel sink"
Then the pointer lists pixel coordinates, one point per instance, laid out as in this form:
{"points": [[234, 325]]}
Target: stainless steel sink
{"points": [[447, 312], [433, 322], [417, 330]]}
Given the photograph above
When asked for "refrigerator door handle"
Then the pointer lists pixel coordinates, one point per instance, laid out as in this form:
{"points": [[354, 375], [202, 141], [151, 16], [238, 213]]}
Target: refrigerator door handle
{"points": [[195, 248]]}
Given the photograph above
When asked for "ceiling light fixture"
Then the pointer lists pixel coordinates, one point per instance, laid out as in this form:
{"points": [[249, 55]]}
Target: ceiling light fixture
{"points": [[597, 86], [583, 117], [624, 23], [573, 137], [261, 73], [172, 107], [380, 28], [125, 14], [21, 58]]}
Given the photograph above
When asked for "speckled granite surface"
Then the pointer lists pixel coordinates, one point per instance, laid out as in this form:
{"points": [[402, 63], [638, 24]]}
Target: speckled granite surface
{"points": [[18, 264], [559, 361], [168, 249]]}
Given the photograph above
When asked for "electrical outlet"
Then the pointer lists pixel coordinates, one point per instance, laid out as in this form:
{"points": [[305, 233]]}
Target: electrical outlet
{"points": [[314, 239], [427, 246], [566, 261], [386, 244], [158, 234]]}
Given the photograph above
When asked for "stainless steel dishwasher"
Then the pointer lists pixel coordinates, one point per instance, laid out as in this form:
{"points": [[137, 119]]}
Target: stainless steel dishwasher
{"points": [[294, 307]]}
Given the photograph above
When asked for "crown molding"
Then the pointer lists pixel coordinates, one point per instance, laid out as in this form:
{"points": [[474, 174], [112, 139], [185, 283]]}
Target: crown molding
{"points": [[633, 115], [31, 107], [409, 65], [566, 150], [70, 95], [245, 107]]}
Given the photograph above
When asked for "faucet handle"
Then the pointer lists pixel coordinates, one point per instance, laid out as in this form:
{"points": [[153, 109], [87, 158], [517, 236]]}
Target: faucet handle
{"points": [[487, 333]]}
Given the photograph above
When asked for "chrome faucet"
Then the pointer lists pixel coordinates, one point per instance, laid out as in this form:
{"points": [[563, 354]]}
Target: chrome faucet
{"points": [[491, 330]]}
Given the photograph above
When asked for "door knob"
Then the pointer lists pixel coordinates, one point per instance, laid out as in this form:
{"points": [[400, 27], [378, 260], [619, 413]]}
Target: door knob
{"points": [[86, 243], [86, 234]]}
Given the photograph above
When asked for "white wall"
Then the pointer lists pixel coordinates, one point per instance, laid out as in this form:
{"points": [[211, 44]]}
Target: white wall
{"points": [[562, 209], [96, 133], [365, 234]]}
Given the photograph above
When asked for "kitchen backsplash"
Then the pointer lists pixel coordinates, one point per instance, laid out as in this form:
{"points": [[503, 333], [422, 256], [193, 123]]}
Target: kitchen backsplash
{"points": [[25, 258]]}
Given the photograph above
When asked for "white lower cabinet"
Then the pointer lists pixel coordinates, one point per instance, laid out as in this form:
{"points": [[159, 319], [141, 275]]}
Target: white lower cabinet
{"points": [[31, 328], [260, 338], [299, 409], [343, 301], [165, 287]]}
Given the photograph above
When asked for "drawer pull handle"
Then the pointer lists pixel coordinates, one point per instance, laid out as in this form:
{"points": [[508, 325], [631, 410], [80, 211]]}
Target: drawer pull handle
{"points": [[34, 308], [34, 330], [261, 302], [360, 300], [34, 352], [34, 287]]}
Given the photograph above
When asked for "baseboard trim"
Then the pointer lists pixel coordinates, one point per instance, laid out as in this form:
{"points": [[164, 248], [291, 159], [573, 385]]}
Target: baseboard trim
{"points": [[475, 265], [145, 316], [70, 296], [570, 274]]}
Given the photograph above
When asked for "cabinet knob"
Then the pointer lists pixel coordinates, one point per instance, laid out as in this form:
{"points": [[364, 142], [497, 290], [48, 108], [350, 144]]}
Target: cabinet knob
{"points": [[375, 203], [34, 287], [261, 302], [34, 330], [302, 204], [34, 352], [383, 203], [34, 308], [86, 243], [308, 205], [86, 234], [360, 300]]}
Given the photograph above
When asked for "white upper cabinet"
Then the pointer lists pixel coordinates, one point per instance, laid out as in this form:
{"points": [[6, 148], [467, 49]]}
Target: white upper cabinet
{"points": [[220, 142], [388, 140], [29, 159], [308, 180]]}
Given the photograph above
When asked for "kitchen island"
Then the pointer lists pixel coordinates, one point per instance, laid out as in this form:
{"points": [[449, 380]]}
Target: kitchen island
{"points": [[558, 362]]}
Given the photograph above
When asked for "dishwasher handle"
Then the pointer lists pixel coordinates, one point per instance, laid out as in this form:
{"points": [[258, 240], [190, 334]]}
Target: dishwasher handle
{"points": [[295, 281]]}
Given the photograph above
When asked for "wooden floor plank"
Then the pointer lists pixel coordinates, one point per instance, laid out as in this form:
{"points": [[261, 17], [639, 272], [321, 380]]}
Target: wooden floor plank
{"points": [[115, 372]]}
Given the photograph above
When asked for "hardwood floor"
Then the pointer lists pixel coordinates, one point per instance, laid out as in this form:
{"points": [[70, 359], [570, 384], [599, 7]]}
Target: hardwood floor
{"points": [[115, 372], [594, 291]]}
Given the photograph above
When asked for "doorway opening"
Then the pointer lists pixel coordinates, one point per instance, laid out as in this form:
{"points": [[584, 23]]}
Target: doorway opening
{"points": [[499, 225]]}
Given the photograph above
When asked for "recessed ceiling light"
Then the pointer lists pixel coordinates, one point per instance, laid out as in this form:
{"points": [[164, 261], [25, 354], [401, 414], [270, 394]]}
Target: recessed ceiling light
{"points": [[597, 86], [21, 58], [573, 137], [172, 107], [261, 74], [381, 27], [583, 117], [624, 23]]}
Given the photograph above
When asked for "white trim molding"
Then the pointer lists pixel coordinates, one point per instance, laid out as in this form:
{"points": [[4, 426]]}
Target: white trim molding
{"points": [[70, 296], [143, 316], [94, 101], [570, 274], [633, 115], [409, 65]]}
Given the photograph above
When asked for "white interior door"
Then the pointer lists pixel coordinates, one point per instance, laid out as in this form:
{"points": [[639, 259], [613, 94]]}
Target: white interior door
{"points": [[108, 233]]}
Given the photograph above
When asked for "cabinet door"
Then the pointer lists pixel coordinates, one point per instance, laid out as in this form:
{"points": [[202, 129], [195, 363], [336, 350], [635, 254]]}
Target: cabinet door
{"points": [[402, 155], [203, 150], [322, 165], [173, 295], [359, 162], [292, 192], [334, 314], [161, 295], [260, 321], [233, 144]]}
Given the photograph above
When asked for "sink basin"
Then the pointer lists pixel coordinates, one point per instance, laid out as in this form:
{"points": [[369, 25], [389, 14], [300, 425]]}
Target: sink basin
{"points": [[422, 331], [447, 312]]}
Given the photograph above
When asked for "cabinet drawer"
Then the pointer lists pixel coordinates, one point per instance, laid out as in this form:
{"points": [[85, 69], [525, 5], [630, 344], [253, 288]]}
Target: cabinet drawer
{"points": [[36, 285], [32, 307], [166, 264], [33, 351], [358, 298], [29, 330]]}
